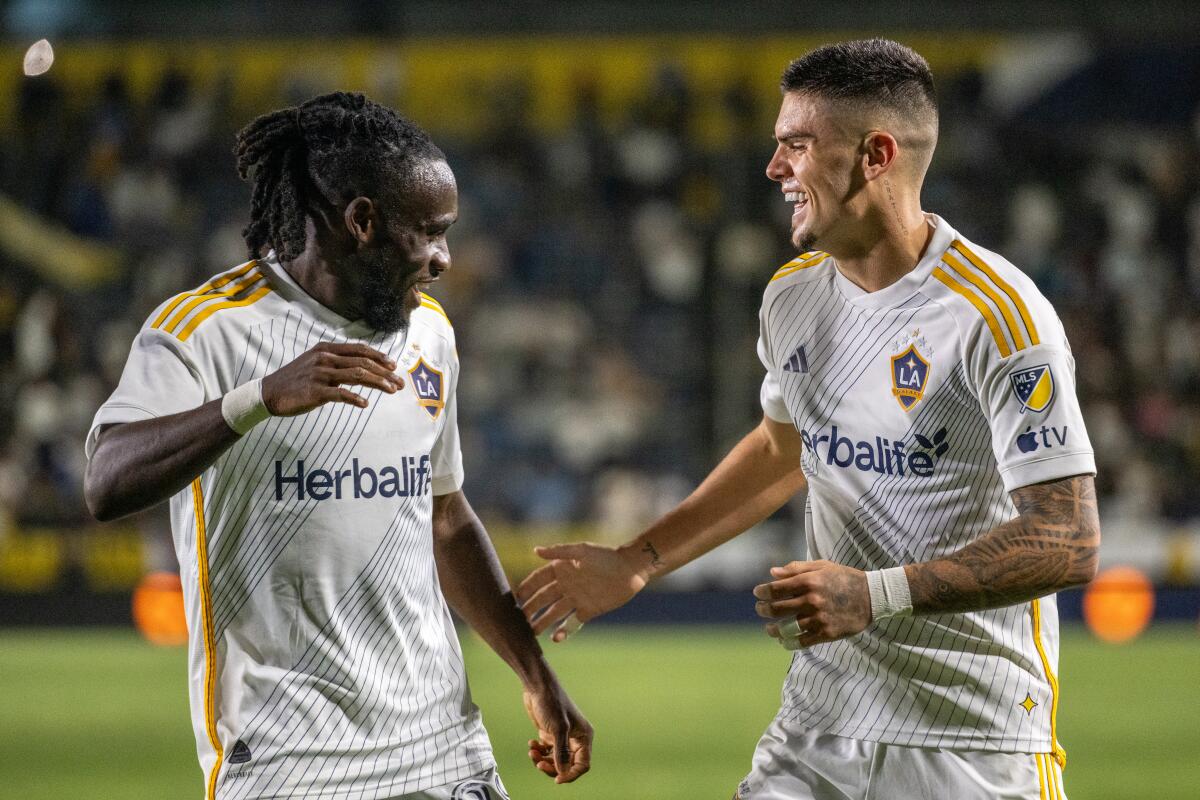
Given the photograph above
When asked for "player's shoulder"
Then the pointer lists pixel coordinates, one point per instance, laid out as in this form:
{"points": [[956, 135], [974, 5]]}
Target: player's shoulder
{"points": [[987, 292], [432, 317], [805, 267], [225, 298]]}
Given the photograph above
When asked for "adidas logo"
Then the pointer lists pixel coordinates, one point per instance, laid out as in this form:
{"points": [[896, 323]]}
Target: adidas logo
{"points": [[798, 362], [240, 753]]}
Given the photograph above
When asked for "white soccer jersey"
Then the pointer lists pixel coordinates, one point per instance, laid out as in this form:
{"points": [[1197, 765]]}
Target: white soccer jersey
{"points": [[323, 659], [921, 406]]}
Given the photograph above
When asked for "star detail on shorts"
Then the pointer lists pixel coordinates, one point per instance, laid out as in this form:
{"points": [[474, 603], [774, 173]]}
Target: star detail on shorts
{"points": [[1028, 704]]}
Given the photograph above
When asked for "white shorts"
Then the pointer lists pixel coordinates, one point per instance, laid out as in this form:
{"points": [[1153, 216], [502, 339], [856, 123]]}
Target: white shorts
{"points": [[810, 765], [484, 786]]}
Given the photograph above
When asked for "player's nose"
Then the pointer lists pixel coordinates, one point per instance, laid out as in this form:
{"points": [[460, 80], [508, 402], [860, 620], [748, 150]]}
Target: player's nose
{"points": [[777, 166], [440, 260]]}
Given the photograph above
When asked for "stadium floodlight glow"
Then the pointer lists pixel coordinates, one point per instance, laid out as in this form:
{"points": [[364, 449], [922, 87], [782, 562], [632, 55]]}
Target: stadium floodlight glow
{"points": [[38, 58]]}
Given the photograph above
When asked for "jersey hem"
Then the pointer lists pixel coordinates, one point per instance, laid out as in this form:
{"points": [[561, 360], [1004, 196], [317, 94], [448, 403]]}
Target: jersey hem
{"points": [[1048, 469], [400, 787], [105, 417], [447, 484], [944, 741]]}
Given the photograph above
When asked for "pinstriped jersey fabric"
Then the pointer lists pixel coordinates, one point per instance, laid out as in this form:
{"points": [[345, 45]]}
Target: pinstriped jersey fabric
{"points": [[323, 658], [921, 406]]}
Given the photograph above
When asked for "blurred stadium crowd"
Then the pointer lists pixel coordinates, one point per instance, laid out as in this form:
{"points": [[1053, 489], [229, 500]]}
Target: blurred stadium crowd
{"points": [[606, 280]]}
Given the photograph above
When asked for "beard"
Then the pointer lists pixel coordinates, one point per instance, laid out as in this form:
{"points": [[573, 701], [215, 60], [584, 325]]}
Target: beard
{"points": [[382, 304], [807, 242]]}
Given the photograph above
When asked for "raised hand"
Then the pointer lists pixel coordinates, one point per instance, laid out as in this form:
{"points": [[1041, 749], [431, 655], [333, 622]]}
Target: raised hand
{"points": [[563, 749], [320, 375], [584, 578]]}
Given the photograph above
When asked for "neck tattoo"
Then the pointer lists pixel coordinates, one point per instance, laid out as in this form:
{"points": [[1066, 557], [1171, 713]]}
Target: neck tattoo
{"points": [[892, 199]]}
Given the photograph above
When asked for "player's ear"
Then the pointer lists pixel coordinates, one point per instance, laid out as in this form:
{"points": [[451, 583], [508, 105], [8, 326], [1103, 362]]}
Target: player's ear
{"points": [[361, 219], [879, 151]]}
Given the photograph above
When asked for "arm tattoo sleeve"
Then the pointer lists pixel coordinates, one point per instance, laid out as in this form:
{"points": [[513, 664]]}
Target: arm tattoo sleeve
{"points": [[1054, 544]]}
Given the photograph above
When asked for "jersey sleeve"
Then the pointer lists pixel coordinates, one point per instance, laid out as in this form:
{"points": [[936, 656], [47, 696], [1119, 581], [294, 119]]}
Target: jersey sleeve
{"points": [[159, 379], [1029, 399], [770, 395], [446, 454]]}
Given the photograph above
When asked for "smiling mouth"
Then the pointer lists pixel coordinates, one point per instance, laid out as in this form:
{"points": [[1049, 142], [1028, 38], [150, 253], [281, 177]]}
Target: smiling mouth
{"points": [[799, 201], [421, 285]]}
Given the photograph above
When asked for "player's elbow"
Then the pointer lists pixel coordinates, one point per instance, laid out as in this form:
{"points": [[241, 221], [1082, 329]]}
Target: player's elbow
{"points": [[100, 495], [1084, 568], [1085, 557]]}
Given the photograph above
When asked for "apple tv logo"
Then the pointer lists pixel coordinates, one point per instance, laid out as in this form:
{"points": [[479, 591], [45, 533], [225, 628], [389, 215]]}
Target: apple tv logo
{"points": [[1031, 440]]}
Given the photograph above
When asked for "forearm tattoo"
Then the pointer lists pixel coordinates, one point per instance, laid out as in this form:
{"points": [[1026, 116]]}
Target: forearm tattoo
{"points": [[655, 560], [1054, 544]]}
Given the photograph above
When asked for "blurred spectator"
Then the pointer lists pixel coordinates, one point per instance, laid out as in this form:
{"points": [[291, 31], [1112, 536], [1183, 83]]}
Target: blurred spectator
{"points": [[606, 280]]}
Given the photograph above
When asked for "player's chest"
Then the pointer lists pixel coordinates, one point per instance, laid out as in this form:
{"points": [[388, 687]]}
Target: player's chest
{"points": [[872, 373]]}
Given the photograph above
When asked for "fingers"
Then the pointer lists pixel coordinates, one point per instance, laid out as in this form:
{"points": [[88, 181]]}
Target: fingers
{"points": [[361, 376], [796, 568], [581, 759], [540, 599], [572, 550], [791, 580], [553, 615], [539, 754], [336, 394], [355, 350], [562, 752], [805, 604], [534, 583], [569, 627]]}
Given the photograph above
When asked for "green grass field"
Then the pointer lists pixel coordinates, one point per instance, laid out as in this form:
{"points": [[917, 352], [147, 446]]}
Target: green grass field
{"points": [[100, 714]]}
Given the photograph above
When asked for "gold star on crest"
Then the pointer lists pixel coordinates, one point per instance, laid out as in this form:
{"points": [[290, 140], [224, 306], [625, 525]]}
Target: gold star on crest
{"points": [[1028, 704]]}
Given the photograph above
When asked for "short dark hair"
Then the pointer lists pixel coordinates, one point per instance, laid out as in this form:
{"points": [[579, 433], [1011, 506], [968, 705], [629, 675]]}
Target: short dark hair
{"points": [[868, 71], [322, 154]]}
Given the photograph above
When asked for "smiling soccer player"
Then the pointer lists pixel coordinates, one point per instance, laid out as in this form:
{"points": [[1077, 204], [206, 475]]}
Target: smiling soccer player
{"points": [[924, 388], [322, 530]]}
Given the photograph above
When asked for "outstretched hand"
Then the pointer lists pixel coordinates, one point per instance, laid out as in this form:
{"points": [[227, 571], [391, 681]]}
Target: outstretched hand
{"points": [[828, 601], [563, 749], [584, 578]]}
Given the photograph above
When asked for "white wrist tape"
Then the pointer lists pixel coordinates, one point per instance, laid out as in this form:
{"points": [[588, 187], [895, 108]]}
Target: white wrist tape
{"points": [[243, 408], [890, 595]]}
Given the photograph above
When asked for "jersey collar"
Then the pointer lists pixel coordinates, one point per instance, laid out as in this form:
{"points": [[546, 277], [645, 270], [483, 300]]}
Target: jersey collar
{"points": [[903, 289], [291, 291]]}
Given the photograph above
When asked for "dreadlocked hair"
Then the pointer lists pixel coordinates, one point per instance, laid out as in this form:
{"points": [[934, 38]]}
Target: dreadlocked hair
{"points": [[318, 156]]}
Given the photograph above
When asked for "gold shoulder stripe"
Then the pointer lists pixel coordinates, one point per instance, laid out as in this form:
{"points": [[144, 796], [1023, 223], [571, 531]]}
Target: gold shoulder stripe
{"points": [[210, 644], [250, 299], [436, 307], [230, 290], [965, 272], [1035, 613], [1022, 309], [426, 298], [804, 262], [980, 306], [215, 283]]}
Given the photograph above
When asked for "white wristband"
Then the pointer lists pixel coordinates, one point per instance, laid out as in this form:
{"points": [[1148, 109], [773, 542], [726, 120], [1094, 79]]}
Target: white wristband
{"points": [[243, 407], [890, 595]]}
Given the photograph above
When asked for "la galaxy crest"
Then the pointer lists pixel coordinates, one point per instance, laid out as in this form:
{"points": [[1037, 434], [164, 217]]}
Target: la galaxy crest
{"points": [[910, 369], [1033, 387], [429, 385]]}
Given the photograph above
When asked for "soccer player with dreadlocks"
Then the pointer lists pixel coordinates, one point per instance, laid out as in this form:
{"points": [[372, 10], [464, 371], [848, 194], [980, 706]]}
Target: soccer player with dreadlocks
{"points": [[300, 413]]}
